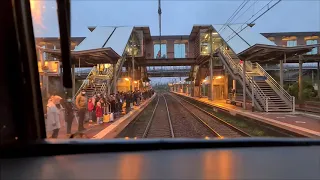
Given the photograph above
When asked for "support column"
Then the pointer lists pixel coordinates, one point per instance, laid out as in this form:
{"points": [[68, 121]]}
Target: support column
{"points": [[300, 79], [192, 88], [281, 70], [73, 79], [226, 85], [234, 85], [115, 78], [318, 79], [244, 84], [312, 77], [132, 83], [210, 93]]}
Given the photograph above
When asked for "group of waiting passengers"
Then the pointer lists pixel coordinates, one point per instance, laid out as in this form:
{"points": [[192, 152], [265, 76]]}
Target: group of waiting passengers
{"points": [[90, 109]]}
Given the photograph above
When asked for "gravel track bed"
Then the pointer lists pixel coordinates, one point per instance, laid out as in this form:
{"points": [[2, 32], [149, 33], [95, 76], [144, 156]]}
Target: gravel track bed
{"points": [[160, 127], [137, 127], [184, 124], [219, 127]]}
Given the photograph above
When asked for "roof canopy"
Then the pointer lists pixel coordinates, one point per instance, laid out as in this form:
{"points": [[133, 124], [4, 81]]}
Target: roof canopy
{"points": [[266, 53], [89, 58], [103, 45]]}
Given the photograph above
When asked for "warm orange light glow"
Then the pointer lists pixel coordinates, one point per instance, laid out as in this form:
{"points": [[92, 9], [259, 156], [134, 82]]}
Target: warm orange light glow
{"points": [[127, 79], [289, 38], [107, 66], [311, 37], [218, 77], [204, 80], [135, 82], [37, 8], [46, 63]]}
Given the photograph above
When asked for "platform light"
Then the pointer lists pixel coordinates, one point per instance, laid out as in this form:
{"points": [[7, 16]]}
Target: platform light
{"points": [[127, 79], [204, 80], [214, 33], [107, 66], [206, 137], [135, 82], [206, 36], [218, 77]]}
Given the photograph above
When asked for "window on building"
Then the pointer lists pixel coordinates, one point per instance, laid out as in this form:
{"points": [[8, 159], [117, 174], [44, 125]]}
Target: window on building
{"points": [[179, 50], [157, 53], [291, 43], [314, 50]]}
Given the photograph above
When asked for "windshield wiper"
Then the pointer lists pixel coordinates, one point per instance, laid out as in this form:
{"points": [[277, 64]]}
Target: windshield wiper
{"points": [[65, 33]]}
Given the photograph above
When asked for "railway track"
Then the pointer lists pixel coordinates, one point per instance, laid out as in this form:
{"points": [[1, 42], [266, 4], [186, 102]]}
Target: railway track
{"points": [[158, 126], [179, 119], [219, 126]]}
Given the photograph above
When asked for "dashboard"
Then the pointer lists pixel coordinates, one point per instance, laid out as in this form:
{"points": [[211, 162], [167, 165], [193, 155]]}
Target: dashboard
{"points": [[297, 162]]}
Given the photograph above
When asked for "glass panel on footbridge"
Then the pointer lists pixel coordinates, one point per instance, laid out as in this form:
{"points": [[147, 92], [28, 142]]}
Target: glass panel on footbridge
{"points": [[95, 39], [243, 40], [119, 39]]}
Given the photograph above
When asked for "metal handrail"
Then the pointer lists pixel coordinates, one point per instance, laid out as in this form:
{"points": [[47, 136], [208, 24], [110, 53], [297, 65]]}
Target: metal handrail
{"points": [[102, 88], [275, 83], [257, 90], [85, 83]]}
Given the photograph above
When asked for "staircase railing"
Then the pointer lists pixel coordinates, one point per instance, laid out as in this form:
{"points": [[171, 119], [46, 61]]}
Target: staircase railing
{"points": [[118, 70], [277, 87], [102, 88], [86, 82], [238, 69]]}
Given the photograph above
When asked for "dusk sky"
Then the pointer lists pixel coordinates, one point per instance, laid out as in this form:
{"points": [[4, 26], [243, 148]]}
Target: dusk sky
{"points": [[178, 17]]}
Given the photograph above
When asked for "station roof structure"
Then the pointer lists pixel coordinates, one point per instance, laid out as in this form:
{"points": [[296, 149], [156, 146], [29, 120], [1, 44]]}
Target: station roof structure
{"points": [[253, 46], [103, 45], [267, 53]]}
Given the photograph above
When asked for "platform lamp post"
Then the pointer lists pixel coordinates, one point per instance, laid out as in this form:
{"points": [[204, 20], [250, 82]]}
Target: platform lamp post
{"points": [[45, 69]]}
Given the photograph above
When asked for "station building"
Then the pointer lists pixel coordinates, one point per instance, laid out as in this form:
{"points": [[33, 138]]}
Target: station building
{"points": [[215, 60]]}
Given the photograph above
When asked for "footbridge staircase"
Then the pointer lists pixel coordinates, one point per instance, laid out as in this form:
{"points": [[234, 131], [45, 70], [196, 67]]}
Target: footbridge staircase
{"points": [[266, 93]]}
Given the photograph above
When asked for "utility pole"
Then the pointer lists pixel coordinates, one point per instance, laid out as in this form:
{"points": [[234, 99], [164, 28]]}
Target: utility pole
{"points": [[159, 13]]}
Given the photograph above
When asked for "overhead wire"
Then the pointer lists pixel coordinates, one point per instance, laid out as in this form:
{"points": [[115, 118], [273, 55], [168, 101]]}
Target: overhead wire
{"points": [[254, 19], [246, 22], [230, 19], [246, 10], [232, 16]]}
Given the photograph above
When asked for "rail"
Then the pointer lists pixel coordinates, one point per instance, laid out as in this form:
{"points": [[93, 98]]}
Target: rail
{"points": [[146, 131], [276, 85], [214, 132], [216, 118], [169, 118]]}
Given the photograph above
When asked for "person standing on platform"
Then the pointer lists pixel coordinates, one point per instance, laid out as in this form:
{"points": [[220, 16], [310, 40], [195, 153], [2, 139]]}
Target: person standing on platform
{"points": [[99, 113], [53, 113], [90, 109], [69, 115], [81, 103]]}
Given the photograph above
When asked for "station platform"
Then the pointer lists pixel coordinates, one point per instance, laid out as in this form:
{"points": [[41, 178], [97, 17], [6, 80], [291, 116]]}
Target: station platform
{"points": [[301, 123], [106, 130]]}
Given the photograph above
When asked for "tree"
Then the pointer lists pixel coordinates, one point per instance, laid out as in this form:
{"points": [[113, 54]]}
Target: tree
{"points": [[308, 91]]}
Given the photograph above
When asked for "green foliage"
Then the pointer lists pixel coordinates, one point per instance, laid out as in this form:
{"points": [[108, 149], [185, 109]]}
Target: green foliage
{"points": [[308, 91]]}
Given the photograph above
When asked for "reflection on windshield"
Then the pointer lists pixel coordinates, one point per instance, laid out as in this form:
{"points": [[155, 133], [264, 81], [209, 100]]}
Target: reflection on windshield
{"points": [[214, 82]]}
